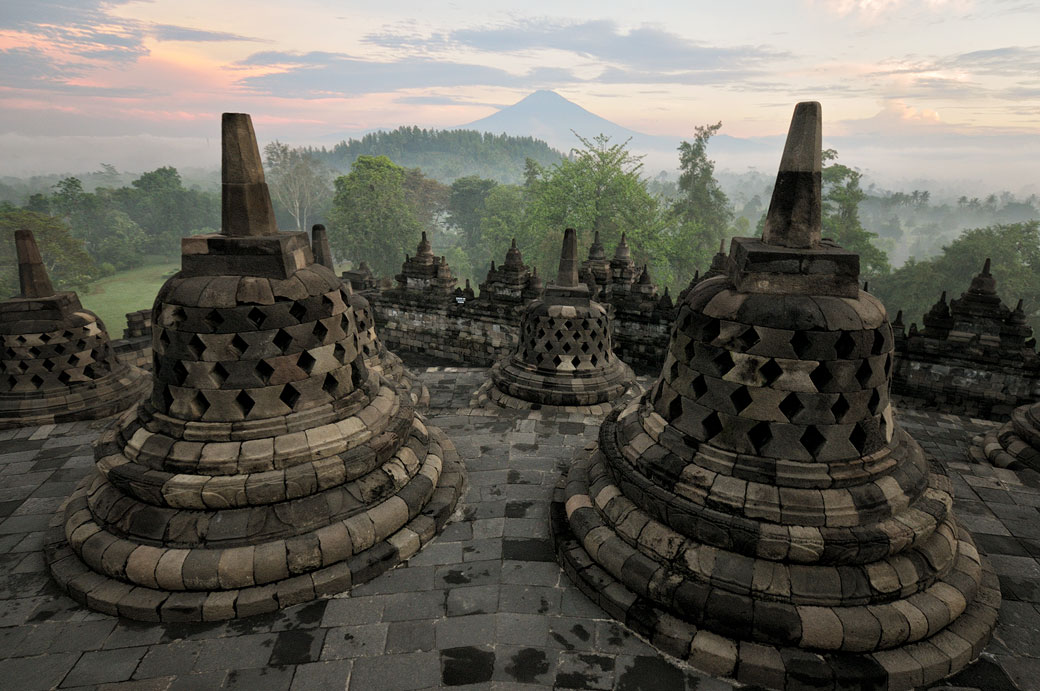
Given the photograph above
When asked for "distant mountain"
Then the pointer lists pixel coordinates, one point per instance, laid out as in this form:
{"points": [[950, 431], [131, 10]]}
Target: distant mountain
{"points": [[549, 116]]}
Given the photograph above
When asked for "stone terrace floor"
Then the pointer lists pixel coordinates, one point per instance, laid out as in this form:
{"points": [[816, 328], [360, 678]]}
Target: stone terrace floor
{"points": [[482, 606]]}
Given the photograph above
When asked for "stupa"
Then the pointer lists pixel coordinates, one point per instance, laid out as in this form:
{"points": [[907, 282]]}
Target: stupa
{"points": [[270, 466], [425, 273], [377, 357], [759, 512], [509, 283], [564, 355], [57, 362]]}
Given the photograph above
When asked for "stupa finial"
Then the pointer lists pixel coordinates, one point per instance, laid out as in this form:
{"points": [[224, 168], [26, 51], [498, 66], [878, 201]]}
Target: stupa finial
{"points": [[794, 216], [568, 273], [320, 246], [246, 208], [32, 274]]}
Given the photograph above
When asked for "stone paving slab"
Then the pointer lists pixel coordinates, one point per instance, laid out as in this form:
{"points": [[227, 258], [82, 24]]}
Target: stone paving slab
{"points": [[483, 606]]}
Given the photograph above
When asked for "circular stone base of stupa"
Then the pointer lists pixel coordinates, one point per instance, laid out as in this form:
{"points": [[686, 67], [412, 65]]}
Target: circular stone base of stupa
{"points": [[489, 396], [100, 398], [622, 581], [1014, 445], [392, 367], [342, 555]]}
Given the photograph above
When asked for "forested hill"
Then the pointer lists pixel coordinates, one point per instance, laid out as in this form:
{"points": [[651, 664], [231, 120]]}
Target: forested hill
{"points": [[445, 154]]}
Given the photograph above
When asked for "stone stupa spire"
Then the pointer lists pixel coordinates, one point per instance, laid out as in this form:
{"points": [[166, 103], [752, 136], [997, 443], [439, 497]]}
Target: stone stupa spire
{"points": [[794, 216], [246, 208], [32, 274], [320, 246], [567, 276]]}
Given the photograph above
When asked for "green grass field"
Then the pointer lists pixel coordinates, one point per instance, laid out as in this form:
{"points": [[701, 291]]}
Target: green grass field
{"points": [[127, 291]]}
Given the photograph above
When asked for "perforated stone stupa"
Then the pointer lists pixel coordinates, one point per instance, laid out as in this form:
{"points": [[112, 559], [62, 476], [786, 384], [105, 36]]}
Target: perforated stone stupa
{"points": [[57, 364], [377, 357], [564, 356], [759, 512], [270, 466]]}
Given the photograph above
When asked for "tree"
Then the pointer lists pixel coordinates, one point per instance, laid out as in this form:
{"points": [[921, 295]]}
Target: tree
{"points": [[599, 188], [67, 262], [842, 195], [1015, 253], [466, 207], [299, 182], [502, 220], [701, 212], [372, 218]]}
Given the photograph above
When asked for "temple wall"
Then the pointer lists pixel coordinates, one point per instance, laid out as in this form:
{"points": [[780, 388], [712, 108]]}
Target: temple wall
{"points": [[989, 390]]}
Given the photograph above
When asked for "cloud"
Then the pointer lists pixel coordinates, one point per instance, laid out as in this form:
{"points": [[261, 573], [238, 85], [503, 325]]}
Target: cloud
{"points": [[642, 48], [321, 75], [169, 32], [872, 9]]}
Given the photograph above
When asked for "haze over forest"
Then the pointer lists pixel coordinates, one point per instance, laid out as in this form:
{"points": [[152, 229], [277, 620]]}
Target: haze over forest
{"points": [[480, 122]]}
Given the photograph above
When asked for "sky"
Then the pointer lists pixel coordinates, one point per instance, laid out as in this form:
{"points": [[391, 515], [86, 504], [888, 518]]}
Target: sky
{"points": [[942, 88]]}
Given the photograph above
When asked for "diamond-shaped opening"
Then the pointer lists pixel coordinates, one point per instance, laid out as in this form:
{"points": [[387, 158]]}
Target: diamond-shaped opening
{"points": [[567, 347], [9, 353], [575, 361], [64, 377], [879, 342], [749, 338], [179, 372], [238, 345], [723, 362], [37, 381], [864, 373], [594, 360], [840, 408], [800, 342], [196, 346], [813, 440], [344, 324], [690, 350], [289, 395], [541, 334], [48, 364], [874, 403], [220, 374], [46, 338], [326, 301], [213, 319], [675, 408], [358, 376], [60, 349], [760, 435], [741, 398], [298, 311], [264, 370], [821, 376], [710, 330], [164, 338], [557, 360], [330, 385], [244, 402], [34, 351], [256, 317], [167, 395], [200, 404], [699, 385], [845, 346], [306, 362], [771, 371], [558, 335], [858, 437], [89, 372], [673, 370], [21, 339], [568, 325], [177, 315], [791, 406], [888, 366], [23, 366], [282, 340], [11, 380], [883, 425], [339, 352], [712, 425], [584, 346]]}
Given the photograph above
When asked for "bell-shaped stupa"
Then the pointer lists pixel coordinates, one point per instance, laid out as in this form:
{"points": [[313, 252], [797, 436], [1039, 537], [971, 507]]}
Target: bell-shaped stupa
{"points": [[377, 357], [564, 356], [759, 512], [270, 466], [57, 362]]}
